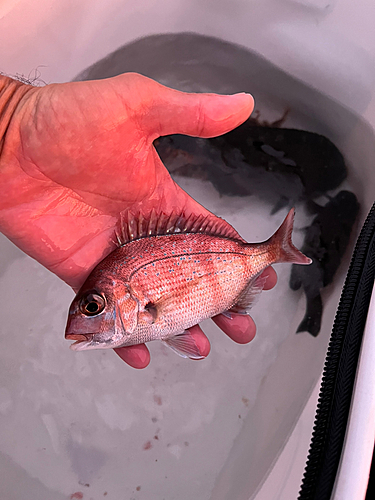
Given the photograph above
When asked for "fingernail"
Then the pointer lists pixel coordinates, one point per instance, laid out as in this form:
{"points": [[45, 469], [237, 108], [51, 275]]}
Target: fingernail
{"points": [[221, 107], [227, 315], [142, 356]]}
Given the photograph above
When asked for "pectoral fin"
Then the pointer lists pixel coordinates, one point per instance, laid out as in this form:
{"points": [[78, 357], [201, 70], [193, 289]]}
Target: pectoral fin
{"points": [[184, 345], [149, 314]]}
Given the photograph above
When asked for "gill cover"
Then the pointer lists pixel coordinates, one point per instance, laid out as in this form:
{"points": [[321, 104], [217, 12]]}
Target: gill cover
{"points": [[125, 311]]}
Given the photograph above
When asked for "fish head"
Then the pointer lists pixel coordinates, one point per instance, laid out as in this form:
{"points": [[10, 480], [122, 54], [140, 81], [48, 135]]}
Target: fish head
{"points": [[102, 316]]}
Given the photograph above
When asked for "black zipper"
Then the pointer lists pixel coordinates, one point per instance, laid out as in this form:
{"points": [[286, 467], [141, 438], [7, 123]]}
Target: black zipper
{"points": [[340, 369]]}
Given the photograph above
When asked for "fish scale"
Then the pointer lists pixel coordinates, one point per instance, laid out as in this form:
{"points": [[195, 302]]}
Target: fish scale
{"points": [[158, 286], [202, 284]]}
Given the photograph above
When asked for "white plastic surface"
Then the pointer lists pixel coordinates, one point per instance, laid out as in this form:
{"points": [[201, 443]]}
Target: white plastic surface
{"points": [[284, 480], [329, 46]]}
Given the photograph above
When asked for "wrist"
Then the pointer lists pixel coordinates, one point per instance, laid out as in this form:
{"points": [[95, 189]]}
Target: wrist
{"points": [[11, 94]]}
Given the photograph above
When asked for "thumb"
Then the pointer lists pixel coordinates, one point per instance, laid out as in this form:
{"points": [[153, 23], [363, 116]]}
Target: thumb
{"points": [[201, 115]]}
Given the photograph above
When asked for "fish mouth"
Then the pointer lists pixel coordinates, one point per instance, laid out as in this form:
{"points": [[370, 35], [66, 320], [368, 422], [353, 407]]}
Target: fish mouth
{"points": [[82, 341]]}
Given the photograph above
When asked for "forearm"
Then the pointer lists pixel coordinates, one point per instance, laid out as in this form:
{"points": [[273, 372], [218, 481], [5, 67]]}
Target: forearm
{"points": [[11, 95]]}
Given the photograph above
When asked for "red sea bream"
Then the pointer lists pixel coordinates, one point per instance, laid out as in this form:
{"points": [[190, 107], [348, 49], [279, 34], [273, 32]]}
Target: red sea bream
{"points": [[168, 274]]}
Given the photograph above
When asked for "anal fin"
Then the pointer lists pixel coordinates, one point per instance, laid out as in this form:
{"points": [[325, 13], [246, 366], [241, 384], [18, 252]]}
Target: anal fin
{"points": [[249, 296]]}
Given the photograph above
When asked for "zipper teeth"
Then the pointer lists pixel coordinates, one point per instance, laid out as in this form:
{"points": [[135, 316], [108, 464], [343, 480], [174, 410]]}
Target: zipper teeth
{"points": [[331, 371]]}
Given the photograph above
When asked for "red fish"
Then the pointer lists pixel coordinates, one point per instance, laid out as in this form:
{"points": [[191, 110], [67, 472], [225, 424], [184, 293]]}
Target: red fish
{"points": [[168, 274]]}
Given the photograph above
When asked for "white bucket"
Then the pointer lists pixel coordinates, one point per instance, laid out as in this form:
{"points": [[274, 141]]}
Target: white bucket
{"points": [[86, 423]]}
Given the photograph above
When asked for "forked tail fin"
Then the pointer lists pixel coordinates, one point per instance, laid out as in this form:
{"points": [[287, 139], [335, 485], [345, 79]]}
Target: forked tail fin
{"points": [[281, 240], [313, 317]]}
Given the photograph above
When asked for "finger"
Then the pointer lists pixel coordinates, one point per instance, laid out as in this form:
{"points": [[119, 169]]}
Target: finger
{"points": [[201, 340], [137, 356], [201, 115], [241, 328], [271, 278]]}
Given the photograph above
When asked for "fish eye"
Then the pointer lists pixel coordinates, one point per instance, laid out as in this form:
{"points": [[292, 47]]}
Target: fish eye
{"points": [[92, 303]]}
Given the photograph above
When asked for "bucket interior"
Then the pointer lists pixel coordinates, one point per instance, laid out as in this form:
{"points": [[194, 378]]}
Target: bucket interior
{"points": [[86, 423]]}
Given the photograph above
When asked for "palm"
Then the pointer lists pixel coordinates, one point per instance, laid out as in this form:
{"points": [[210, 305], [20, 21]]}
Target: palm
{"points": [[82, 153], [86, 163]]}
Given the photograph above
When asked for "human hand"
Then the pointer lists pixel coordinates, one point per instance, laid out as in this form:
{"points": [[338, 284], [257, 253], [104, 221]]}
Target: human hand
{"points": [[75, 155]]}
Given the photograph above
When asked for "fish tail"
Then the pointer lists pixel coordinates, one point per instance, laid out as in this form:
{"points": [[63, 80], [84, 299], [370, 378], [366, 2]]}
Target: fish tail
{"points": [[281, 241], [313, 317]]}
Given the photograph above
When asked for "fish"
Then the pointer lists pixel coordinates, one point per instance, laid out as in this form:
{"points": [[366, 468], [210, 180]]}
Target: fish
{"points": [[226, 168], [325, 243], [280, 165], [312, 157], [169, 273]]}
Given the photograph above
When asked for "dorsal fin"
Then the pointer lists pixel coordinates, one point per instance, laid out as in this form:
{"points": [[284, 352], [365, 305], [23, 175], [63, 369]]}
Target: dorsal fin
{"points": [[135, 226]]}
